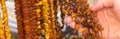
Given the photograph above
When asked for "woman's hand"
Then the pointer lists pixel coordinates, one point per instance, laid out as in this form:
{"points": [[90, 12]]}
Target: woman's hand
{"points": [[109, 17], [108, 14]]}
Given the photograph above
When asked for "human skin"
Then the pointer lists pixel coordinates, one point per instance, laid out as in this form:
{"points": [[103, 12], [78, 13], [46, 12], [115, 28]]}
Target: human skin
{"points": [[109, 17]]}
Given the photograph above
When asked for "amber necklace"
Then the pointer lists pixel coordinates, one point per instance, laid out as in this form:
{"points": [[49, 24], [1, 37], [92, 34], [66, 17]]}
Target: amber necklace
{"points": [[88, 21], [5, 18]]}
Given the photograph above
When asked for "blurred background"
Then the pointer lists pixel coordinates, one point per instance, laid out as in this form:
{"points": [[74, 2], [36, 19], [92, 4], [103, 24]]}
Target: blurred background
{"points": [[13, 22]]}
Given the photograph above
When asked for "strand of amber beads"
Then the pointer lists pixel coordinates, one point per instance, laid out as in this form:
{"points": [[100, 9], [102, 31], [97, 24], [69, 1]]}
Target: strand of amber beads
{"points": [[2, 36], [38, 14], [47, 22], [19, 16], [26, 18], [36, 17], [34, 20], [78, 10], [5, 18], [52, 19]]}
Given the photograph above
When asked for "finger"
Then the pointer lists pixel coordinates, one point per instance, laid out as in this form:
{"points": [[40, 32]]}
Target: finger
{"points": [[68, 19], [102, 4], [97, 6], [72, 24], [102, 16]]}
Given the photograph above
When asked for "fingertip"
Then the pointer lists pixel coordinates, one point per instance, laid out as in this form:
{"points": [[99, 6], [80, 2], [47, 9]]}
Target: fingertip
{"points": [[92, 8], [68, 19], [72, 24], [96, 7]]}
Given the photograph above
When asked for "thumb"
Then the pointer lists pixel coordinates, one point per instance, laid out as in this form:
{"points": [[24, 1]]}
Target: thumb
{"points": [[101, 4]]}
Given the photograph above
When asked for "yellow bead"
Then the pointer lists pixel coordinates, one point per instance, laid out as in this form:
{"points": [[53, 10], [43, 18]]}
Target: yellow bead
{"points": [[44, 0], [67, 1], [88, 20], [82, 20], [38, 10], [39, 27], [39, 3]]}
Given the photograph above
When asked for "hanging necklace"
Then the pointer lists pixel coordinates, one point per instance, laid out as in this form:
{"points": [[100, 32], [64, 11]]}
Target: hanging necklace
{"points": [[5, 18]]}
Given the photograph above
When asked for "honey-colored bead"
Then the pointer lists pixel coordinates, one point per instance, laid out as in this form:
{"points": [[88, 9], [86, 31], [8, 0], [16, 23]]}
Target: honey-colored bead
{"points": [[88, 20], [39, 3], [82, 20], [65, 11], [76, 27], [67, 1]]}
